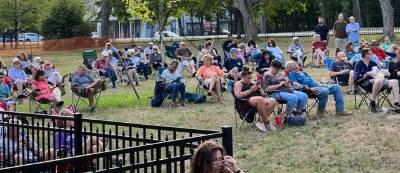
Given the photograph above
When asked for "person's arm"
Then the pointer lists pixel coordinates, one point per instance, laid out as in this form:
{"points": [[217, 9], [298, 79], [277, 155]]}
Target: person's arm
{"points": [[334, 29], [200, 72], [238, 90], [348, 29], [220, 73]]}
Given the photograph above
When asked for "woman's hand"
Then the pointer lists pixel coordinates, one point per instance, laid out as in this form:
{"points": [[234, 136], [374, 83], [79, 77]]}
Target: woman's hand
{"points": [[230, 165], [255, 88]]}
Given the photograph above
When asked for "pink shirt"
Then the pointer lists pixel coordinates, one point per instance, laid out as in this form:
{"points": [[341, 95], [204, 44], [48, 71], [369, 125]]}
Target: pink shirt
{"points": [[45, 92], [208, 72]]}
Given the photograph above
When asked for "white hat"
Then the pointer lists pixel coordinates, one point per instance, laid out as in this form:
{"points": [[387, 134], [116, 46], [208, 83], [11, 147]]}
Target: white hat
{"points": [[105, 53], [15, 60], [295, 38]]}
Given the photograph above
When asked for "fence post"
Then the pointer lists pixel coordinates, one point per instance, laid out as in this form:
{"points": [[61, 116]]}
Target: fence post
{"points": [[78, 139], [78, 133], [227, 141]]}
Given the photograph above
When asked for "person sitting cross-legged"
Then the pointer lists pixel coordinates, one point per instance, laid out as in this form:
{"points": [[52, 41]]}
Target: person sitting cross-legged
{"points": [[341, 71], [105, 68], [281, 89], [322, 92], [210, 75], [246, 89], [171, 78], [233, 65], [86, 85], [369, 76]]}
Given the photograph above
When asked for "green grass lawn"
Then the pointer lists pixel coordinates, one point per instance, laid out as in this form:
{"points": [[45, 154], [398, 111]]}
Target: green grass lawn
{"points": [[361, 143]]}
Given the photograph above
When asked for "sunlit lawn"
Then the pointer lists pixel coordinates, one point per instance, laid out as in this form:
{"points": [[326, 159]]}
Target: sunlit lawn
{"points": [[360, 143]]}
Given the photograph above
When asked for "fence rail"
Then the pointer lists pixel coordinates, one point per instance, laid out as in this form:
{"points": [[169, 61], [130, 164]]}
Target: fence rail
{"points": [[102, 146]]}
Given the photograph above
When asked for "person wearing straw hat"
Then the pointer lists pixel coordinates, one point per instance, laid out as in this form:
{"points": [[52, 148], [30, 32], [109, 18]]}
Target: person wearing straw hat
{"points": [[18, 77]]}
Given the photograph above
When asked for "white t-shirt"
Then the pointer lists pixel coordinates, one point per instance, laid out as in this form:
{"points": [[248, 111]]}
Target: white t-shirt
{"points": [[170, 77]]}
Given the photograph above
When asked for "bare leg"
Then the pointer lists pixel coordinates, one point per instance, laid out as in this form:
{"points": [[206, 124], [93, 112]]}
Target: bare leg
{"points": [[90, 93], [271, 103], [212, 83], [258, 102], [376, 88], [351, 80], [394, 85], [218, 89]]}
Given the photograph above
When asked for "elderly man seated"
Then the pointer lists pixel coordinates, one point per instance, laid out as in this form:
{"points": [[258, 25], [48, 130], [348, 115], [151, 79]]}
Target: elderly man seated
{"points": [[341, 71], [18, 77], [52, 75], [185, 55], [296, 51], [86, 85], [322, 92]]}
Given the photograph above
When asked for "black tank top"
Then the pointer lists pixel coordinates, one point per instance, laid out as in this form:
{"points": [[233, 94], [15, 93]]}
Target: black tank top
{"points": [[247, 86]]}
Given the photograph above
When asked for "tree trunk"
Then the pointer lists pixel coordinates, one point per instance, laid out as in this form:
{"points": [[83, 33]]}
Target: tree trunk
{"points": [[201, 25], [323, 9], [357, 12], [262, 24], [218, 25], [105, 18], [180, 26], [388, 18], [250, 28], [16, 22], [238, 23]]}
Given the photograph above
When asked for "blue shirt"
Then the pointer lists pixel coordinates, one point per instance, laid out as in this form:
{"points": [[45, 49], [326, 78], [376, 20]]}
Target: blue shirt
{"points": [[4, 91], [357, 57], [353, 35], [170, 77], [350, 54], [17, 74], [302, 78], [230, 63], [82, 81], [360, 69]]}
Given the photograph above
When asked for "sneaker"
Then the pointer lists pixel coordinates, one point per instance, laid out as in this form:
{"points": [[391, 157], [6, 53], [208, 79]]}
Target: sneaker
{"points": [[261, 126], [270, 127], [138, 83], [61, 103], [320, 114], [91, 109], [373, 107], [343, 113], [397, 105]]}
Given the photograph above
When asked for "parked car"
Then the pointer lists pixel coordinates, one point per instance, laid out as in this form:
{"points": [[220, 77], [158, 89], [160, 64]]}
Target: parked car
{"points": [[166, 34], [30, 36]]}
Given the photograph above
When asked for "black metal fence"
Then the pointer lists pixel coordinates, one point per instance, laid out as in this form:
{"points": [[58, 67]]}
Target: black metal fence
{"points": [[48, 143]]}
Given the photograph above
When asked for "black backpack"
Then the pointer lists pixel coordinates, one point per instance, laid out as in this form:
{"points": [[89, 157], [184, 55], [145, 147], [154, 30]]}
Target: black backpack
{"points": [[158, 98]]}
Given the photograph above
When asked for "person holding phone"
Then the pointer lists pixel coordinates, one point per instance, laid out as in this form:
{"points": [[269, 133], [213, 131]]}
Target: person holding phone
{"points": [[210, 158], [171, 79], [246, 89]]}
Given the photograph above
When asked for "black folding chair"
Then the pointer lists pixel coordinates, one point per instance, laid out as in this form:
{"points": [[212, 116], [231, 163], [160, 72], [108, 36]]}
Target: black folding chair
{"points": [[244, 110], [79, 97], [364, 93]]}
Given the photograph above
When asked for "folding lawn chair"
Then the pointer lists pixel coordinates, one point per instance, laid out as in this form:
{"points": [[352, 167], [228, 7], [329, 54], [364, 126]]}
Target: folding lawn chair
{"points": [[89, 57], [364, 93], [244, 110], [79, 97]]}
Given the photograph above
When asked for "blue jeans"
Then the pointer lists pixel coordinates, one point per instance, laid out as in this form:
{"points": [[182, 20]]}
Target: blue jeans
{"points": [[325, 91], [176, 87], [296, 99], [109, 72]]}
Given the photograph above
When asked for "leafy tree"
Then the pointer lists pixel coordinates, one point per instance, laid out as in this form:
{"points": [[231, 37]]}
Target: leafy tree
{"points": [[65, 20], [154, 11], [25, 15]]}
